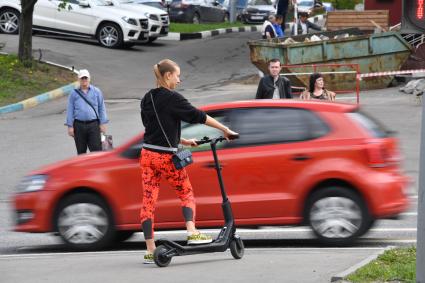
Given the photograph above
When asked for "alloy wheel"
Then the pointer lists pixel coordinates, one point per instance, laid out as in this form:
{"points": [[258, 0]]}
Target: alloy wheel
{"points": [[83, 223], [9, 22], [109, 36], [336, 217]]}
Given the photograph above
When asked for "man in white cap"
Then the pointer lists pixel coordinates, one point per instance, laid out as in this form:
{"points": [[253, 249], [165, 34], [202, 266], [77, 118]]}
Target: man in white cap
{"points": [[86, 115]]}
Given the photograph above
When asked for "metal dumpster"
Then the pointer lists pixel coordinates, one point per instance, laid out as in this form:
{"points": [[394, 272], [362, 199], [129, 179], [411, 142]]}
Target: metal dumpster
{"points": [[374, 53]]}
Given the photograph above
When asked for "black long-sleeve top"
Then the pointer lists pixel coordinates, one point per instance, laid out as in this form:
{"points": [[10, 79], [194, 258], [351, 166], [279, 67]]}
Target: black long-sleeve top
{"points": [[172, 108]]}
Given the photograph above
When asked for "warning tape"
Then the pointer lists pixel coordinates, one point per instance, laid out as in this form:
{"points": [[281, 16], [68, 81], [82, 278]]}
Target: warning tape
{"points": [[390, 73]]}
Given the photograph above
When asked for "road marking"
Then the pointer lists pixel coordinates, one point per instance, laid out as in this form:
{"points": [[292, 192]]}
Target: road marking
{"points": [[140, 252], [409, 214]]}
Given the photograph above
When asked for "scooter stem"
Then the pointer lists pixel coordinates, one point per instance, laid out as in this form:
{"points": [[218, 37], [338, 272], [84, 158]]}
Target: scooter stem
{"points": [[217, 168]]}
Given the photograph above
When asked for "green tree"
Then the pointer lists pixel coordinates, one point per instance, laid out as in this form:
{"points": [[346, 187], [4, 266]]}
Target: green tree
{"points": [[25, 30]]}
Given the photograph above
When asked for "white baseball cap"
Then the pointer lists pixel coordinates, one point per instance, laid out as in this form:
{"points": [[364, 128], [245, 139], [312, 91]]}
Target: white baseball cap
{"points": [[83, 73]]}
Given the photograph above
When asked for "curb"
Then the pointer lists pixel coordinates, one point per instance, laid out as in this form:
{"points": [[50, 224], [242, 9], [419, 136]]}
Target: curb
{"points": [[176, 36], [39, 99], [205, 34], [209, 33], [340, 276]]}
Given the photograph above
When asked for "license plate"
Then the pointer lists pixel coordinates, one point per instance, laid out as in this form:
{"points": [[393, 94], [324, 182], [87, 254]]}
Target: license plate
{"points": [[256, 17]]}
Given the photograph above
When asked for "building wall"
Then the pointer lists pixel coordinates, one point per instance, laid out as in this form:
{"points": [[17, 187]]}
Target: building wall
{"points": [[394, 6]]}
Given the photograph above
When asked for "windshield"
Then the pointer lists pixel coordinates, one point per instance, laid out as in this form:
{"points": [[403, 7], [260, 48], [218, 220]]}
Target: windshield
{"points": [[125, 1], [102, 2], [259, 2], [150, 3], [305, 3]]}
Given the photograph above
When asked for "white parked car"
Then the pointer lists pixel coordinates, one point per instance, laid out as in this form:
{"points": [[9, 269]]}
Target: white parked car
{"points": [[159, 22], [111, 26]]}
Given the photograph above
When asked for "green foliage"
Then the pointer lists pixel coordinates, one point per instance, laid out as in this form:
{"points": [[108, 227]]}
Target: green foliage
{"points": [[345, 4], [394, 265], [178, 27], [18, 82]]}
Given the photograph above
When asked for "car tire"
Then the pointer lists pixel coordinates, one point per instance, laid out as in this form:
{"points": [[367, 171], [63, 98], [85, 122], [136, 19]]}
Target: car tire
{"points": [[110, 35], [123, 235], [84, 222], [152, 39], [9, 21], [337, 216], [196, 19]]}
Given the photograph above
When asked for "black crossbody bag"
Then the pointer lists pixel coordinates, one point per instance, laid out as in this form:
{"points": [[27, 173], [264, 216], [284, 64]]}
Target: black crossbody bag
{"points": [[183, 157], [88, 102]]}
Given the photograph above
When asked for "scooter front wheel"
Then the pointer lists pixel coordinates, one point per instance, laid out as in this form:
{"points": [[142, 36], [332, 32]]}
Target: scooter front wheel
{"points": [[237, 248], [160, 258]]}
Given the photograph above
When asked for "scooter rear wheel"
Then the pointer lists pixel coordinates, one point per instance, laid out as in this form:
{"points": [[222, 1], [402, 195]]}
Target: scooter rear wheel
{"points": [[159, 256], [237, 248]]}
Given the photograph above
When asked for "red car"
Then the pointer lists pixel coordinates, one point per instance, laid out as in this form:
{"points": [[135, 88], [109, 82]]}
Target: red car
{"points": [[323, 164]]}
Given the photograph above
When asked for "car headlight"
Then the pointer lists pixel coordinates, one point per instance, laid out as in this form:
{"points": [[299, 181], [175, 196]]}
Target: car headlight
{"points": [[130, 21], [32, 183]]}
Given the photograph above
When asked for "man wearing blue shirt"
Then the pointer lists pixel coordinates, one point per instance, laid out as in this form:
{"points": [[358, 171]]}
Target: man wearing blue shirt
{"points": [[86, 115]]}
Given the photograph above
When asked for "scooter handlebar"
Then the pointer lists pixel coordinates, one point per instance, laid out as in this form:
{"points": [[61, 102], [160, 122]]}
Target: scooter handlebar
{"points": [[215, 140]]}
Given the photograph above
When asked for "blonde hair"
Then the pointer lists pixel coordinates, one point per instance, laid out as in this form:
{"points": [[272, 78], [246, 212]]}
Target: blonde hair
{"points": [[163, 67]]}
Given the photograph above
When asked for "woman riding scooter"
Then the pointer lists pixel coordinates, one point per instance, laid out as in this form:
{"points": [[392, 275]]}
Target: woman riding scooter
{"points": [[161, 139]]}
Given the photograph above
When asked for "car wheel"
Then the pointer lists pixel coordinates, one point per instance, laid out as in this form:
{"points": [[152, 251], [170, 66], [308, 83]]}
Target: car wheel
{"points": [[122, 236], [152, 39], [110, 35], [9, 21], [196, 19], [84, 222], [337, 215]]}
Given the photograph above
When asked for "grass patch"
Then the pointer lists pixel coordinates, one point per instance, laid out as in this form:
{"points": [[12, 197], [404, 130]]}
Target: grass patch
{"points": [[18, 83], [180, 27], [394, 265]]}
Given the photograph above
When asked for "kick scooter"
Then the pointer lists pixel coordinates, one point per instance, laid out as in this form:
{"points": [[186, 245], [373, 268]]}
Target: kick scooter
{"points": [[225, 239]]}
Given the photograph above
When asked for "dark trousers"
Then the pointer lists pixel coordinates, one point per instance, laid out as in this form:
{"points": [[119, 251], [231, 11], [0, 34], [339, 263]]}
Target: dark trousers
{"points": [[87, 134]]}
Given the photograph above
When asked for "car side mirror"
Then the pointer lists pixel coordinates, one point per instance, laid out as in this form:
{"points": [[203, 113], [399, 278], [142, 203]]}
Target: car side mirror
{"points": [[216, 3], [84, 3]]}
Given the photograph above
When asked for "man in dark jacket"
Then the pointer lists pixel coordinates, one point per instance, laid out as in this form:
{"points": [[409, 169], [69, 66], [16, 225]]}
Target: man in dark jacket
{"points": [[303, 25], [274, 86]]}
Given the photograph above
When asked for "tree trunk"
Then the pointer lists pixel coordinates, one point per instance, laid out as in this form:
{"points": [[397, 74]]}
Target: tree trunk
{"points": [[25, 32]]}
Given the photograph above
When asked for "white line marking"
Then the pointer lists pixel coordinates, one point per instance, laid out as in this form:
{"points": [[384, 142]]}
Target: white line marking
{"points": [[127, 252], [409, 214]]}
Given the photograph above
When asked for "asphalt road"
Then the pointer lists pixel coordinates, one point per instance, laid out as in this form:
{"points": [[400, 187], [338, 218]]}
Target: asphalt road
{"points": [[210, 69]]}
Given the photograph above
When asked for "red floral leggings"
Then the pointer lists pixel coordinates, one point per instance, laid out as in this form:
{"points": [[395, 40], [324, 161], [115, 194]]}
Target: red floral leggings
{"points": [[153, 166]]}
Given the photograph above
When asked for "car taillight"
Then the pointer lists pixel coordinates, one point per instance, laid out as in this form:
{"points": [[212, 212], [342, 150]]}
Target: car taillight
{"points": [[381, 154]]}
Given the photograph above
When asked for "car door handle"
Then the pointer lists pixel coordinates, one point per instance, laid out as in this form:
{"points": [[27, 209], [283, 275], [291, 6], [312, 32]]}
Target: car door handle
{"points": [[301, 157]]}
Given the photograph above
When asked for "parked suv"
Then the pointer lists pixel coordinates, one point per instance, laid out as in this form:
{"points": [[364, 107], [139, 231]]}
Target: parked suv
{"points": [[111, 26], [159, 22], [327, 165]]}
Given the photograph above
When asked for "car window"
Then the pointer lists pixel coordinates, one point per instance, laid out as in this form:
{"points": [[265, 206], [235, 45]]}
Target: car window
{"points": [[374, 127], [198, 131], [195, 131], [260, 2], [258, 126]]}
